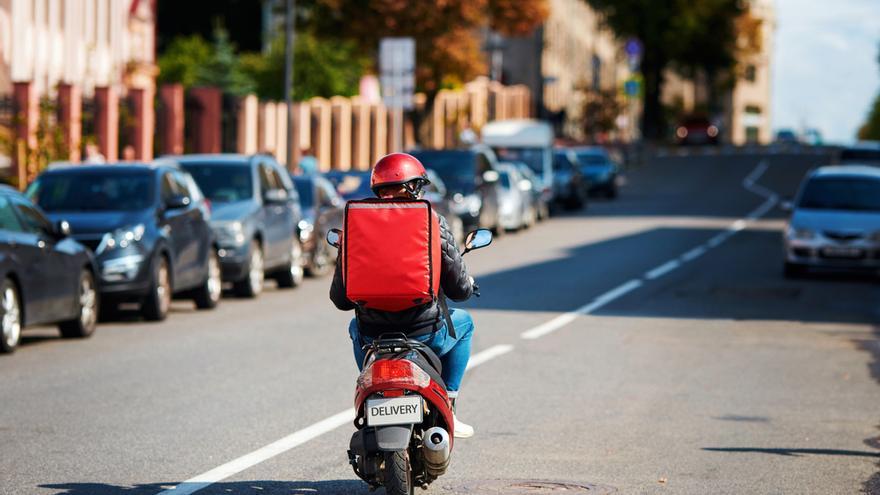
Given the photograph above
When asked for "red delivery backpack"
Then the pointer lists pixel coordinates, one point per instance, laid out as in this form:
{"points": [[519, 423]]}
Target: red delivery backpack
{"points": [[391, 254]]}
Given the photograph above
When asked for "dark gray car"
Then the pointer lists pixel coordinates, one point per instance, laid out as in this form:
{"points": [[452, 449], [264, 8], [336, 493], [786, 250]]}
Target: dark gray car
{"points": [[255, 212]]}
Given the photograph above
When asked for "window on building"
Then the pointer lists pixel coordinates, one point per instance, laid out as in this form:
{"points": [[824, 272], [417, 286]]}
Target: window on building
{"points": [[753, 109], [750, 73]]}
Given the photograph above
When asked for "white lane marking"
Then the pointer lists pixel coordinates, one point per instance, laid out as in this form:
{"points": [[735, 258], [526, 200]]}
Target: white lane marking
{"points": [[566, 318], [298, 438], [662, 269], [694, 253], [273, 449], [488, 355]]}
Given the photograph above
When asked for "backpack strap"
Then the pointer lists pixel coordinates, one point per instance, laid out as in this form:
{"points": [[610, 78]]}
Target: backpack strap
{"points": [[444, 308]]}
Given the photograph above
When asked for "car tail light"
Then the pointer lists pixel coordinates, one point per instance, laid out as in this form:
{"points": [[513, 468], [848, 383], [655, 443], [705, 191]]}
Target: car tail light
{"points": [[208, 204], [712, 131], [393, 372], [681, 132]]}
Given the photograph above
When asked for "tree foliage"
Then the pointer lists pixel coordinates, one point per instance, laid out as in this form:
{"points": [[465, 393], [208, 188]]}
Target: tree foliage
{"points": [[321, 68], [685, 35], [871, 128], [193, 61], [448, 33]]}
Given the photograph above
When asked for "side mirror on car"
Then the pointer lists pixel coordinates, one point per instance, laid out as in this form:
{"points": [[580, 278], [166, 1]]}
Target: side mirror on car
{"points": [[477, 239], [491, 176], [177, 202], [786, 205], [275, 196], [334, 236], [62, 229]]}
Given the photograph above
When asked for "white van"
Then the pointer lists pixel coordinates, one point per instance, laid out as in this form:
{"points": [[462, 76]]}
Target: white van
{"points": [[524, 140]]}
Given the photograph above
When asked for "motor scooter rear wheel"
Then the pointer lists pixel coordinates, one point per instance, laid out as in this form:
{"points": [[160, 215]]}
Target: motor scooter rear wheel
{"points": [[398, 473]]}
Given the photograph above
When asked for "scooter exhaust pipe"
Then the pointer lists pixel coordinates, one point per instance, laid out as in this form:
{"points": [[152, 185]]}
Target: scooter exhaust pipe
{"points": [[436, 451]]}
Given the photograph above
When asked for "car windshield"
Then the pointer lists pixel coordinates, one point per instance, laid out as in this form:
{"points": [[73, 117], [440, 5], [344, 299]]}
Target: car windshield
{"points": [[456, 168], [351, 185], [561, 163], [857, 154], [91, 191], [533, 157], [223, 183], [841, 194], [304, 189], [591, 158]]}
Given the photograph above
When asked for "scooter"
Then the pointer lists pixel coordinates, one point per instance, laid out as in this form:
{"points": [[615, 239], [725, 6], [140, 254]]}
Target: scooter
{"points": [[404, 422]]}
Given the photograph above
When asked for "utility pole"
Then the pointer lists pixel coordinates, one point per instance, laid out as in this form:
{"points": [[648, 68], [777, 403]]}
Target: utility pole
{"points": [[288, 77]]}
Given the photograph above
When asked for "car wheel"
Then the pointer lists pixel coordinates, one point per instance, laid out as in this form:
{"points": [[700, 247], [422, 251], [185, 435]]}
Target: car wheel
{"points": [[156, 305], [208, 295], [10, 312], [292, 276], [252, 285], [321, 261], [87, 304]]}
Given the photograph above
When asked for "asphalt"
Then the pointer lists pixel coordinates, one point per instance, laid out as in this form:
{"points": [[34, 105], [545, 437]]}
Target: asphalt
{"points": [[719, 376]]}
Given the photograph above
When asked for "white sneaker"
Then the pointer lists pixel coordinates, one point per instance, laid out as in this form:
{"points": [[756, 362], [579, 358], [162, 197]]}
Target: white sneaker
{"points": [[462, 430]]}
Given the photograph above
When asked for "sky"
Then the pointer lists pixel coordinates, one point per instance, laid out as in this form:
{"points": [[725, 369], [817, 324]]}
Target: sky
{"points": [[825, 71]]}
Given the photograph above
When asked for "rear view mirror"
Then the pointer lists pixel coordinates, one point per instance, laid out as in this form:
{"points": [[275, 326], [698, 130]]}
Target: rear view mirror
{"points": [[334, 236], [477, 239], [275, 196], [177, 201], [62, 229]]}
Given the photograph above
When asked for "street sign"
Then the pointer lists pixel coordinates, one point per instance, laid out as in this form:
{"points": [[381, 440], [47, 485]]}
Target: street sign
{"points": [[632, 86], [397, 67], [633, 47]]}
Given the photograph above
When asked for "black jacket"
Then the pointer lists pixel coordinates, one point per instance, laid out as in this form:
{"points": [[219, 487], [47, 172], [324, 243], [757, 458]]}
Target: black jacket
{"points": [[455, 283]]}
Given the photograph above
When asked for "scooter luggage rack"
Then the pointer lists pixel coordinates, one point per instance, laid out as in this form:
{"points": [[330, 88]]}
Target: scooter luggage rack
{"points": [[393, 343]]}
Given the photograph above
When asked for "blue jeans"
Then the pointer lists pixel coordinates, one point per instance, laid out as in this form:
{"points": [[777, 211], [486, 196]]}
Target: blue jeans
{"points": [[454, 352]]}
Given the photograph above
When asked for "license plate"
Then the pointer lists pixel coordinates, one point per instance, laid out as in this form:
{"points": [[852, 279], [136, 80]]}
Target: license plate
{"points": [[394, 411], [842, 252]]}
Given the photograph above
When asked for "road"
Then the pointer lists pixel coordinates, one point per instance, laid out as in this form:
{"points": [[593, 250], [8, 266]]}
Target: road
{"points": [[646, 345]]}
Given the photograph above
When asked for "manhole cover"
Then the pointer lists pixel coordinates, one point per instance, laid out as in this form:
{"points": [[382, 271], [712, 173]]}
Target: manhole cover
{"points": [[529, 487]]}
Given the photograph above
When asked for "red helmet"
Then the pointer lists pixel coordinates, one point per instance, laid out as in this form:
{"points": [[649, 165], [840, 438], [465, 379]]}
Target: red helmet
{"points": [[398, 169]]}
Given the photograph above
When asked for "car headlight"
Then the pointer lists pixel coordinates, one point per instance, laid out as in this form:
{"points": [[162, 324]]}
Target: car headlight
{"points": [[123, 268], [229, 233], [800, 234], [121, 238], [305, 230], [467, 204]]}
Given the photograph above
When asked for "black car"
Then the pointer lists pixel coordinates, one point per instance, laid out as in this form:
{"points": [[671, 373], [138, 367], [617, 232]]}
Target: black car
{"points": [[355, 184], [147, 225], [471, 181], [47, 277], [254, 213], [570, 187], [599, 169], [322, 210]]}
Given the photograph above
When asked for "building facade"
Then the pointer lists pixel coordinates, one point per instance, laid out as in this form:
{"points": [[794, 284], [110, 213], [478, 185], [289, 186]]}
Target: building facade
{"points": [[569, 60]]}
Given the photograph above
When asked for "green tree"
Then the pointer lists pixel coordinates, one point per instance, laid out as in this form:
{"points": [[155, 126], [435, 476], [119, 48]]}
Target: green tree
{"points": [[871, 128], [183, 60], [680, 34], [322, 68], [193, 61]]}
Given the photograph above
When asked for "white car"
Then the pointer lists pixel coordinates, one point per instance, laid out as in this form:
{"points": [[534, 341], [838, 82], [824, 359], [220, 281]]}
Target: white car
{"points": [[516, 206], [835, 221]]}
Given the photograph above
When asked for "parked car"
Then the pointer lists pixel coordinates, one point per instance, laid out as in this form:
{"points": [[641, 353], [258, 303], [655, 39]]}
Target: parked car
{"points": [[861, 153], [527, 141], [516, 204], [442, 203], [570, 187], [787, 136], [471, 178], [835, 221], [541, 196], [254, 214], [47, 277], [696, 129], [147, 225], [599, 169], [322, 210], [351, 184]]}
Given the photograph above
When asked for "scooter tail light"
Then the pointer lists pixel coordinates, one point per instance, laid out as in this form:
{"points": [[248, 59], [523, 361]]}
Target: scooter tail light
{"points": [[393, 372]]}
